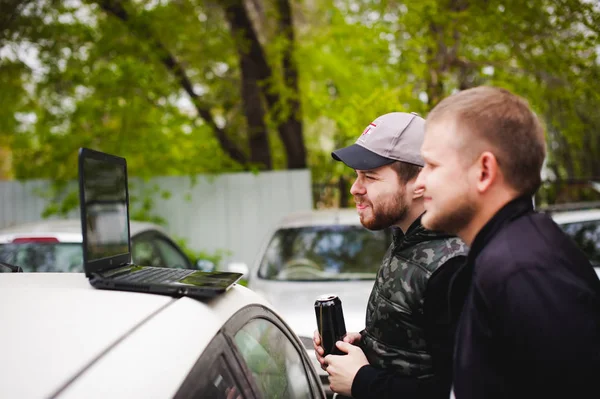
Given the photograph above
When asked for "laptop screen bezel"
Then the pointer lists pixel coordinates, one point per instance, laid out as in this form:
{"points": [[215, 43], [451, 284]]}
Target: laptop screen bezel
{"points": [[111, 262]]}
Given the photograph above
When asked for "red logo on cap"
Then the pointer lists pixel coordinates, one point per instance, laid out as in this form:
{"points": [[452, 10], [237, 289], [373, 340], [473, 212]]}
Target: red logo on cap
{"points": [[368, 129]]}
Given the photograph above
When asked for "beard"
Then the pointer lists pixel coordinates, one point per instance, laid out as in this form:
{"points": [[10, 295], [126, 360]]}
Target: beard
{"points": [[387, 213], [451, 220]]}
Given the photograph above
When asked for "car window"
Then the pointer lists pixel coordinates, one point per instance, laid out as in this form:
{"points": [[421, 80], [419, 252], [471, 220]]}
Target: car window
{"points": [[274, 361], [324, 253], [219, 382], [215, 375], [44, 257], [153, 249], [587, 236], [171, 255]]}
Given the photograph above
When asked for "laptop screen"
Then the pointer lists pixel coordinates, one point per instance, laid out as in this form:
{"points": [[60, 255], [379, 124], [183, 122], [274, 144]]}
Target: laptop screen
{"points": [[106, 218]]}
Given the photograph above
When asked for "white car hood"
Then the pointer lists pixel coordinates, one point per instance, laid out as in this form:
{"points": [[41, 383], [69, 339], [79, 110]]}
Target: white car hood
{"points": [[295, 301]]}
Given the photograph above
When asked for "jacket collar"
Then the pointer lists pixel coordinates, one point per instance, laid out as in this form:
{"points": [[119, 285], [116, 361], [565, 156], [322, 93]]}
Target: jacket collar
{"points": [[415, 234], [461, 282], [507, 213]]}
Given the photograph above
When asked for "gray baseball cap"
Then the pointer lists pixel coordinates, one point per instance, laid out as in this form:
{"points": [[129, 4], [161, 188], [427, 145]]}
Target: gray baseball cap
{"points": [[396, 136]]}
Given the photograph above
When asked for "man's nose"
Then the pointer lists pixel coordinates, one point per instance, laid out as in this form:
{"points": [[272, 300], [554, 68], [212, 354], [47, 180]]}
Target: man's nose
{"points": [[357, 188]]}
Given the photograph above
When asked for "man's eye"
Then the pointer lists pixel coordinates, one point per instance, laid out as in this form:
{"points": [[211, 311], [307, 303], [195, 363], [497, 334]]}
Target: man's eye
{"points": [[370, 177]]}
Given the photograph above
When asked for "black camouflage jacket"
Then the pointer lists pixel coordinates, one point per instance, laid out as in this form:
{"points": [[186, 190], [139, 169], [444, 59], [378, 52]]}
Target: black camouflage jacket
{"points": [[394, 336]]}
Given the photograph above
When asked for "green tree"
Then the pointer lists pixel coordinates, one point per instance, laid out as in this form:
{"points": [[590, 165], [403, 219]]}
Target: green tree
{"points": [[411, 55], [178, 87], [201, 86]]}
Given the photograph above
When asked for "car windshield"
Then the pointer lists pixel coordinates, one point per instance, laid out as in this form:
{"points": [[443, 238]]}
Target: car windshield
{"points": [[44, 257], [341, 252], [587, 236]]}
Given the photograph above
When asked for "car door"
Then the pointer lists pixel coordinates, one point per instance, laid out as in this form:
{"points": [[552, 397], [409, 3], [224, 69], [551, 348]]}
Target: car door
{"points": [[217, 374], [272, 355], [258, 356], [153, 248]]}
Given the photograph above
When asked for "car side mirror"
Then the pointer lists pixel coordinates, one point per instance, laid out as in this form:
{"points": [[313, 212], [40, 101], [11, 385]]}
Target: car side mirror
{"points": [[205, 265], [237, 267]]}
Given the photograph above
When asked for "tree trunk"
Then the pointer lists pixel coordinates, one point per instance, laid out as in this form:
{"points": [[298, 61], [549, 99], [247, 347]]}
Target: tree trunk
{"points": [[591, 143], [442, 57], [251, 61], [258, 73], [291, 130], [433, 80]]}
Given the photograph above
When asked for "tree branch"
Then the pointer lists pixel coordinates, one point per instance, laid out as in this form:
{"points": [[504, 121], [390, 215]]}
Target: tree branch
{"points": [[115, 8]]}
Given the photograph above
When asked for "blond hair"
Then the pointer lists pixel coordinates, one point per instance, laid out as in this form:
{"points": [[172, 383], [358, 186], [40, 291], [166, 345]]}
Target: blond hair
{"points": [[499, 119]]}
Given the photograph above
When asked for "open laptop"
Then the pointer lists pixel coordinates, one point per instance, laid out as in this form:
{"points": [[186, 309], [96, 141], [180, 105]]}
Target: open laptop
{"points": [[104, 203]]}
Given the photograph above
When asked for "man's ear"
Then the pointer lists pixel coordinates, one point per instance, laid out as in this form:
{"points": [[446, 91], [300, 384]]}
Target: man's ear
{"points": [[488, 171]]}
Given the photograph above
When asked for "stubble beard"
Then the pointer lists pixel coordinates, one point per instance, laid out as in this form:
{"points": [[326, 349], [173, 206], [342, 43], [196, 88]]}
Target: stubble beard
{"points": [[452, 220], [387, 214]]}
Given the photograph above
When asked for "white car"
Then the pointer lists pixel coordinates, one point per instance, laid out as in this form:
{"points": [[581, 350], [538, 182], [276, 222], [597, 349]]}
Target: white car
{"points": [[62, 338], [313, 253], [583, 226], [55, 246]]}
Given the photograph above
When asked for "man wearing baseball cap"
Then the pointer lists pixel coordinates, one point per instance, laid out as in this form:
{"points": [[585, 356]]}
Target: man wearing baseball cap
{"points": [[406, 347]]}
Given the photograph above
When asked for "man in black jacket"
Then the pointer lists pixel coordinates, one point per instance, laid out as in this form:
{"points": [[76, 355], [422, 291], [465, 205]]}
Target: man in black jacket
{"points": [[530, 326], [406, 347]]}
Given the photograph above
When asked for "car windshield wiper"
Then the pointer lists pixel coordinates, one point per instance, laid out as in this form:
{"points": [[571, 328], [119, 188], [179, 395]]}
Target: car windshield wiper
{"points": [[8, 268]]}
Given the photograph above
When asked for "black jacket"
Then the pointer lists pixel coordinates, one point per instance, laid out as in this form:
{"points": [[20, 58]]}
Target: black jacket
{"points": [[530, 326]]}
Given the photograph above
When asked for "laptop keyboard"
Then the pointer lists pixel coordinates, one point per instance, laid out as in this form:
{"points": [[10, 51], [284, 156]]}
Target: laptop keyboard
{"points": [[154, 275]]}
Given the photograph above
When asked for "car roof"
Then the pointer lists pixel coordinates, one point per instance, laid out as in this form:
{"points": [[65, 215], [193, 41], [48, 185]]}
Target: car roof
{"points": [[565, 217], [321, 217], [349, 216], [58, 329], [66, 230]]}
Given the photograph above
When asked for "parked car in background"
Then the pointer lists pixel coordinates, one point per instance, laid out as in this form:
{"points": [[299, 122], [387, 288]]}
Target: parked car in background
{"points": [[62, 338], [582, 224], [55, 246], [312, 253]]}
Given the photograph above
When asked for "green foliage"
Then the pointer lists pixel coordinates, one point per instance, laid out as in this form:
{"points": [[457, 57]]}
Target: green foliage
{"points": [[371, 57], [62, 206], [101, 86], [74, 75], [216, 257]]}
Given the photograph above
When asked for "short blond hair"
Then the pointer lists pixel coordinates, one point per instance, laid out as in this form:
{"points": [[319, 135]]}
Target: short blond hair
{"points": [[506, 123]]}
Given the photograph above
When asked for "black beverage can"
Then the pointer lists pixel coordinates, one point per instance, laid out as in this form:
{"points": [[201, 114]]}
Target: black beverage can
{"points": [[330, 322]]}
